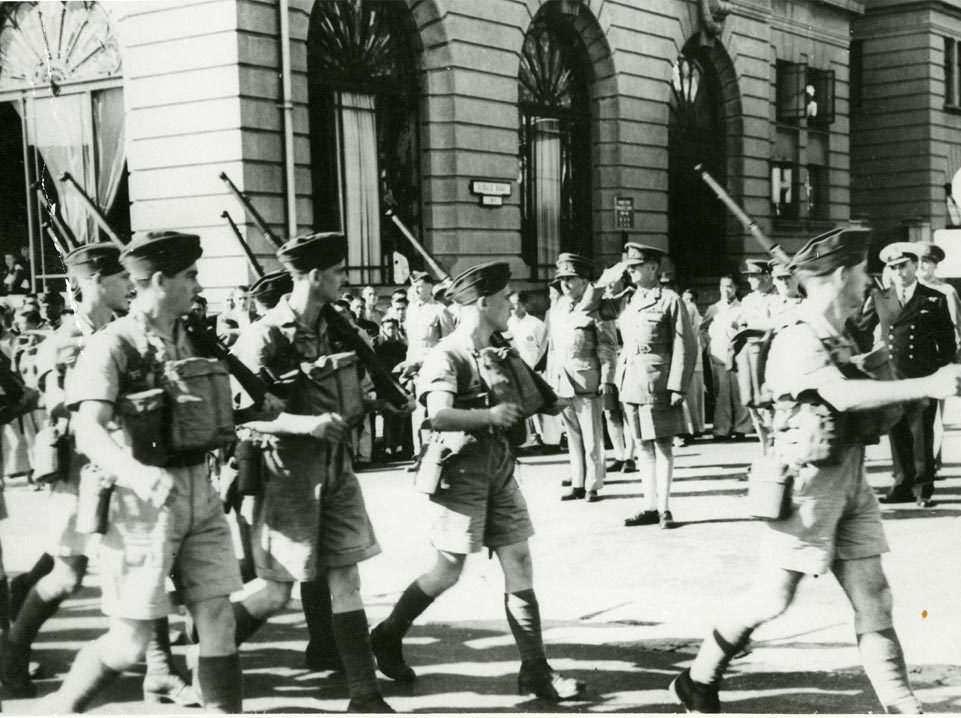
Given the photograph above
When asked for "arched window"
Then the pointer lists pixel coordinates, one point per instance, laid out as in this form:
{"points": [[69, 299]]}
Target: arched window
{"points": [[363, 128], [61, 110], [555, 143]]}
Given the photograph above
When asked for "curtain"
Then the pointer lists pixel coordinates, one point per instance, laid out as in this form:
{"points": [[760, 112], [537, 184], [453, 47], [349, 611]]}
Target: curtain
{"points": [[547, 189], [55, 127], [108, 132], [360, 186]]}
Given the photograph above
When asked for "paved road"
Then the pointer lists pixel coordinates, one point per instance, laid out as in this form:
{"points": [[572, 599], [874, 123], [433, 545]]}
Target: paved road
{"points": [[624, 608]]}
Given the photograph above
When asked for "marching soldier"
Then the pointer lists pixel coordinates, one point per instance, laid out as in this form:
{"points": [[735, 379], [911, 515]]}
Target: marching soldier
{"points": [[310, 522], [824, 416], [427, 322], [477, 500], [582, 353], [267, 291], [165, 515], [653, 373], [104, 287], [916, 326]]}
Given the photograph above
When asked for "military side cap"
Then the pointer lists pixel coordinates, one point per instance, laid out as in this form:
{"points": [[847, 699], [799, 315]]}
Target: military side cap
{"points": [[898, 253], [573, 265], [89, 260], [930, 251], [168, 252], [480, 281], [274, 284], [320, 250], [840, 247], [755, 266], [779, 270], [637, 253], [421, 276]]}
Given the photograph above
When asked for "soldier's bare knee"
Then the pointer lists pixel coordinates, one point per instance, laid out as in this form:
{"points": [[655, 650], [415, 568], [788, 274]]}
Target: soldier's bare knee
{"points": [[277, 595]]}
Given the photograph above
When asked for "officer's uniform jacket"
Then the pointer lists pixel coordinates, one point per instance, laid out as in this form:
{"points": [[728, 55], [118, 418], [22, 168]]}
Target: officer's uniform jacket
{"points": [[919, 335], [427, 323], [757, 308], [660, 348], [954, 305], [582, 348]]}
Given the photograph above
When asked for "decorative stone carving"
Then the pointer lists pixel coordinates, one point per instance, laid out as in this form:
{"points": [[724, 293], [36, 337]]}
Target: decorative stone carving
{"points": [[712, 14]]}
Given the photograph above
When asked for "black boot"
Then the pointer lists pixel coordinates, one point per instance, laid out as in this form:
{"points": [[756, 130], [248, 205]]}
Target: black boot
{"points": [[538, 678]]}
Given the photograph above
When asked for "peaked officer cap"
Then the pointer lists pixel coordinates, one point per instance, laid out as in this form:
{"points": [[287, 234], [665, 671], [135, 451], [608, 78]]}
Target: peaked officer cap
{"points": [[89, 260], [930, 251], [421, 276], [573, 265], [320, 250], [169, 252], [480, 281], [637, 253], [778, 269], [755, 266], [899, 253], [840, 247]]}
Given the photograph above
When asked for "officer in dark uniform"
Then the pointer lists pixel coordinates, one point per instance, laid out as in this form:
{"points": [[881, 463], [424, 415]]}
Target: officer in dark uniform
{"points": [[916, 326]]}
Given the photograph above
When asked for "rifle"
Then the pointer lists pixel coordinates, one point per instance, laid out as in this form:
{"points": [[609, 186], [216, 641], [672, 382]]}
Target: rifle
{"points": [[95, 212], [254, 264], [254, 214], [68, 240], [387, 387], [771, 247], [441, 273]]}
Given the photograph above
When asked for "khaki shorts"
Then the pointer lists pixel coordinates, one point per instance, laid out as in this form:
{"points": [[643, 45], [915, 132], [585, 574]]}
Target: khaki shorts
{"points": [[483, 505], [311, 514], [62, 536], [835, 516], [659, 420], [188, 539]]}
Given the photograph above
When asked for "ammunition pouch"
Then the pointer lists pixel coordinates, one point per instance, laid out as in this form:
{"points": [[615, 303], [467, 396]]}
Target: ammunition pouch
{"points": [[249, 455], [332, 385], [806, 433], [769, 489], [144, 422], [201, 411], [440, 448]]}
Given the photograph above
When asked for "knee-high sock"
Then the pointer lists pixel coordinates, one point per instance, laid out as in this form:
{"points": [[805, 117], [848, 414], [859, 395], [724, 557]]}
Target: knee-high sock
{"points": [[524, 618], [884, 663], [87, 676], [411, 604], [4, 606], [247, 624], [647, 465], [716, 653], [665, 473], [318, 613], [221, 683], [353, 642], [158, 656], [33, 614]]}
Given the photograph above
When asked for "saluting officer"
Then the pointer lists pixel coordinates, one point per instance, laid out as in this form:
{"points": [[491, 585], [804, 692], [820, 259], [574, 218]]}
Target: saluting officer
{"points": [[166, 517], [478, 502], [582, 352], [653, 373], [310, 522], [823, 420], [104, 285], [916, 326]]}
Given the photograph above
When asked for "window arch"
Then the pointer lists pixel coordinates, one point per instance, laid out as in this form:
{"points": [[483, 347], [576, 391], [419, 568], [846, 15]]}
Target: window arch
{"points": [[363, 128], [61, 110], [555, 143]]}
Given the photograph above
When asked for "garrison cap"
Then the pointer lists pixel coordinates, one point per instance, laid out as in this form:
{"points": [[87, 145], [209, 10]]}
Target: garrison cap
{"points": [[320, 250], [930, 251], [89, 260], [480, 281], [169, 252], [755, 266], [275, 284], [421, 276], [573, 265], [778, 269], [840, 247], [637, 253], [900, 252]]}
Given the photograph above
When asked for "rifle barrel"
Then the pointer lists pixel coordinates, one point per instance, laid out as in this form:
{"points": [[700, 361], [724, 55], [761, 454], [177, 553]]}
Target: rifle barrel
{"points": [[94, 210], [254, 214], [53, 212], [441, 273], [254, 264]]}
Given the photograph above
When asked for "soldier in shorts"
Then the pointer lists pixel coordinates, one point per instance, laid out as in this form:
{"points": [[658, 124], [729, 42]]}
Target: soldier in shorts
{"points": [[834, 522], [310, 522], [165, 516], [478, 502], [104, 287]]}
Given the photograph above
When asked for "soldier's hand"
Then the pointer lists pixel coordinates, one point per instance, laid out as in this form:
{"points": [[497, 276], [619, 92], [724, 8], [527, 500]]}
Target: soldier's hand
{"points": [[558, 406], [153, 485], [504, 416], [945, 382], [272, 406], [676, 398], [328, 427]]}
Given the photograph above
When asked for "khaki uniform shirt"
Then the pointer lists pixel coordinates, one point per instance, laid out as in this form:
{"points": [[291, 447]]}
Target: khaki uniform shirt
{"points": [[582, 349], [427, 323]]}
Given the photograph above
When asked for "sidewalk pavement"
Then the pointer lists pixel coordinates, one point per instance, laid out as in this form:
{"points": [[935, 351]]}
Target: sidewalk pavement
{"points": [[624, 608]]}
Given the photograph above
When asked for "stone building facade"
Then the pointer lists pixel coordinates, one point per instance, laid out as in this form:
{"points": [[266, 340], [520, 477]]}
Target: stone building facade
{"points": [[492, 128]]}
